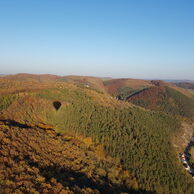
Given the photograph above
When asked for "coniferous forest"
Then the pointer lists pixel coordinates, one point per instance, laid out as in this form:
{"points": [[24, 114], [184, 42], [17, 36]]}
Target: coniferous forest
{"points": [[96, 97], [137, 139]]}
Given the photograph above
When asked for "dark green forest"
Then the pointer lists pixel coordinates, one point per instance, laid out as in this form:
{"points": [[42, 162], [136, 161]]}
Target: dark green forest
{"points": [[140, 139]]}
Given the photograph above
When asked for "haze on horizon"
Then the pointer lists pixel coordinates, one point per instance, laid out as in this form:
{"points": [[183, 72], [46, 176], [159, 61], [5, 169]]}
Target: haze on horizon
{"points": [[138, 39]]}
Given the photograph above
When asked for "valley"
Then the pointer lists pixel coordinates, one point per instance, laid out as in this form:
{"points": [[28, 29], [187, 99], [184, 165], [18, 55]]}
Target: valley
{"points": [[91, 141], [96, 97]]}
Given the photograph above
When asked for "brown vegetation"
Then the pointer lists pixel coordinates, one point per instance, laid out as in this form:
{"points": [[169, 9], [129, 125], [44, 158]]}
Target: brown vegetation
{"points": [[33, 160], [33, 77], [29, 116], [115, 84], [152, 96]]}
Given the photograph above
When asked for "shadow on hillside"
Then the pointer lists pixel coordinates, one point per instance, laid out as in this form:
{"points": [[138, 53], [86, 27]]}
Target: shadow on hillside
{"points": [[72, 179], [14, 123], [57, 105], [134, 94]]}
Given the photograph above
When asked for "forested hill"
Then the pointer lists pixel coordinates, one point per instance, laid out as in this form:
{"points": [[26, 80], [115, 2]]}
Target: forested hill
{"points": [[186, 85], [139, 139], [166, 99]]}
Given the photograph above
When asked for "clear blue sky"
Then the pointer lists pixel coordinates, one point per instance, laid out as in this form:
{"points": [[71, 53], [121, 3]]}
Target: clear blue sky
{"points": [[123, 38]]}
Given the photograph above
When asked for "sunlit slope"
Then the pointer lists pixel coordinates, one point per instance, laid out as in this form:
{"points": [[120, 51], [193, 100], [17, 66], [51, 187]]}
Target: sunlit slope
{"points": [[35, 160], [140, 139], [33, 77], [125, 87], [185, 91], [115, 87], [186, 85], [86, 81], [166, 99]]}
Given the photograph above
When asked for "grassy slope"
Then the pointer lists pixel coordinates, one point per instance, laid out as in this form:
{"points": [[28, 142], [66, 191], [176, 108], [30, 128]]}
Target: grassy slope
{"points": [[185, 85], [140, 139], [184, 91], [92, 82], [33, 77], [111, 86]]}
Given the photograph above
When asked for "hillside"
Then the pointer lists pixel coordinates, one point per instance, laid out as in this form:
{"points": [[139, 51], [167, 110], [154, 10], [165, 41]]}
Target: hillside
{"points": [[166, 99], [187, 92], [38, 160], [33, 77], [186, 85], [125, 87], [87, 81], [121, 88], [84, 81], [139, 139], [114, 87]]}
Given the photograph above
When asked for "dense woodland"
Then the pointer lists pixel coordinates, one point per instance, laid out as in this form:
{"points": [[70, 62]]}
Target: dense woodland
{"points": [[165, 99], [139, 139], [125, 92]]}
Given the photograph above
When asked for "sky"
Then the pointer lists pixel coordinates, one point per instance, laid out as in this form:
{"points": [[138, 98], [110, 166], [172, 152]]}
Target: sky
{"points": [[148, 39]]}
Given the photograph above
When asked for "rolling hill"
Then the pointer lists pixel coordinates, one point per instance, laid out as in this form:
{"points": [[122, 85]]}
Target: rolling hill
{"points": [[139, 140], [125, 87], [186, 85], [115, 87], [111, 86], [164, 98]]}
